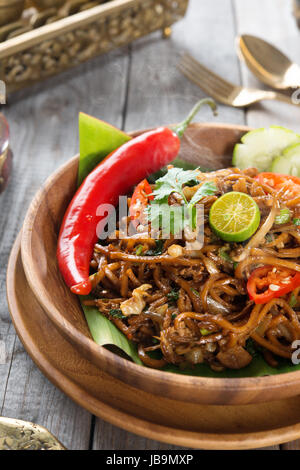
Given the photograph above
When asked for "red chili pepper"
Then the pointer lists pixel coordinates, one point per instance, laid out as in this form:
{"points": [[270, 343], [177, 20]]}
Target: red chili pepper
{"points": [[267, 283], [113, 177], [282, 183], [140, 200]]}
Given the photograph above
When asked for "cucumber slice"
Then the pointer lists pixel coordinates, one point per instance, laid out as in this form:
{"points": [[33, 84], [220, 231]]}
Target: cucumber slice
{"points": [[289, 162], [259, 147]]}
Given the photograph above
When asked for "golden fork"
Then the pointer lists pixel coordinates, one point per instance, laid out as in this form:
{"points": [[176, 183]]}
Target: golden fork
{"points": [[224, 91]]}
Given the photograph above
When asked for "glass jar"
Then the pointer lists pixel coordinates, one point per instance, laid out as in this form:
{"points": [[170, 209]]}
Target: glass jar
{"points": [[5, 153]]}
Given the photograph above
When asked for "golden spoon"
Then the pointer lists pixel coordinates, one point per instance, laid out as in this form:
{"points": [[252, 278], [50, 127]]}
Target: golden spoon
{"points": [[267, 63], [21, 435]]}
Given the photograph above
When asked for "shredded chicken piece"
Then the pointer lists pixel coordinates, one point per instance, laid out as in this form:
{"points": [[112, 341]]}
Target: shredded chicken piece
{"points": [[136, 304], [195, 356]]}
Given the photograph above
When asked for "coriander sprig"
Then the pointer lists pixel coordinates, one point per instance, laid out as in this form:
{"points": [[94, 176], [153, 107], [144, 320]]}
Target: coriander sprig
{"points": [[173, 182], [175, 218]]}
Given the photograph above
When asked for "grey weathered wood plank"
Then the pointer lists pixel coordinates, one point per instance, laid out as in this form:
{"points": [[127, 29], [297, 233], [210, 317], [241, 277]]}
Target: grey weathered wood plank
{"points": [[158, 92], [30, 396], [269, 448], [7, 347], [294, 445], [109, 437], [43, 124]]}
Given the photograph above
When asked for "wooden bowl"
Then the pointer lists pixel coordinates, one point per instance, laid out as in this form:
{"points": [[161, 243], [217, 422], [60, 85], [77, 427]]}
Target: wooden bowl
{"points": [[193, 425], [10, 10], [211, 145]]}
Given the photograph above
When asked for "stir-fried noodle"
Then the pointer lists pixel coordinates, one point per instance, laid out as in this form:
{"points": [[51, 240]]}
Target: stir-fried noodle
{"points": [[194, 307]]}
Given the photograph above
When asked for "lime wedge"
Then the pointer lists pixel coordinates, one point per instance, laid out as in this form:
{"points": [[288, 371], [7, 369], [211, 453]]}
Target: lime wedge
{"points": [[234, 217]]}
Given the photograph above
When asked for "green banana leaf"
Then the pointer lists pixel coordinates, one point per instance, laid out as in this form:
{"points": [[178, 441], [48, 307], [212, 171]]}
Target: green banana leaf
{"points": [[105, 333], [97, 140], [257, 368]]}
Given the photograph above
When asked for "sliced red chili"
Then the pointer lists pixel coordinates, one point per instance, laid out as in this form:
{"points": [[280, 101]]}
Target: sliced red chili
{"points": [[287, 184], [267, 283], [140, 200]]}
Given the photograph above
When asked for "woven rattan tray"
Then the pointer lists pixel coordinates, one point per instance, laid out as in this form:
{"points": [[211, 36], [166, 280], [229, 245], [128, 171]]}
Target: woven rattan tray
{"points": [[52, 48]]}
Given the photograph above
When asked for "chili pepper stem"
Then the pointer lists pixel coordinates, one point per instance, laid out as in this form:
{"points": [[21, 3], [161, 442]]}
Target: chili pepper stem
{"points": [[180, 129]]}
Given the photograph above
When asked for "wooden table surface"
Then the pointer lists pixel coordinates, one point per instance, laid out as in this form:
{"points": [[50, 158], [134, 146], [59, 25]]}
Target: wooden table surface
{"points": [[134, 87]]}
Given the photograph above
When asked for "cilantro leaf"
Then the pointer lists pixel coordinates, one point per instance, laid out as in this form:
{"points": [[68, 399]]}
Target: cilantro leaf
{"points": [[206, 189], [269, 237], [169, 219], [296, 221], [175, 218], [116, 313], [173, 296], [172, 182], [158, 250], [226, 257]]}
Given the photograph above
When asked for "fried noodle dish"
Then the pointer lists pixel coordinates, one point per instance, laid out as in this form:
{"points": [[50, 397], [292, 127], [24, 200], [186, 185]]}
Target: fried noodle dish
{"points": [[204, 306]]}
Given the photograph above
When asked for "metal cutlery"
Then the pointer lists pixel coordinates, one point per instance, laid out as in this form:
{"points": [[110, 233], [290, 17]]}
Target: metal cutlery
{"points": [[21, 435], [267, 63], [224, 91]]}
